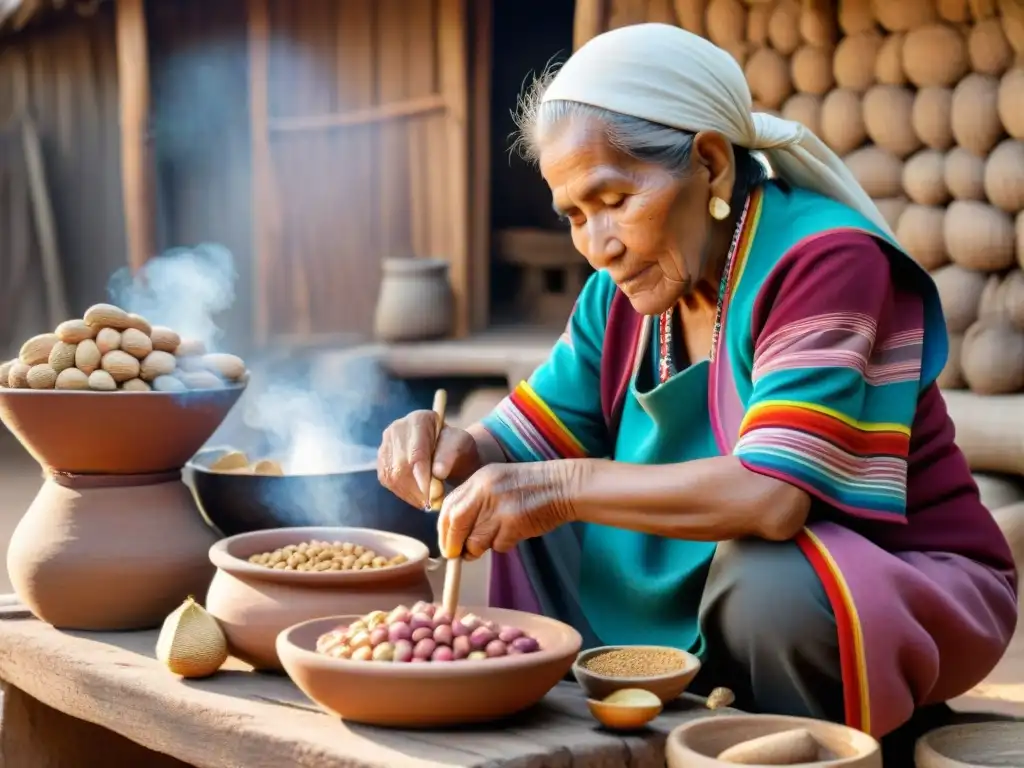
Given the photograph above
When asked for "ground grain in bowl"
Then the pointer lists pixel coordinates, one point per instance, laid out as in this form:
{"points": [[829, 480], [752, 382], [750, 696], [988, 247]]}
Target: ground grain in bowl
{"points": [[635, 662]]}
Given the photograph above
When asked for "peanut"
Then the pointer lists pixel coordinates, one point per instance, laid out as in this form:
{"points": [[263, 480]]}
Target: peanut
{"points": [[87, 356], [136, 343], [41, 376], [37, 349], [140, 323], [164, 339], [107, 340], [120, 365], [168, 384], [75, 331], [101, 381], [62, 356], [107, 316], [135, 385], [228, 367], [17, 377], [72, 378]]}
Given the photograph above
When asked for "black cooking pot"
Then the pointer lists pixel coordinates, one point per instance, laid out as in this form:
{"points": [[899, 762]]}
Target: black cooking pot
{"points": [[242, 503]]}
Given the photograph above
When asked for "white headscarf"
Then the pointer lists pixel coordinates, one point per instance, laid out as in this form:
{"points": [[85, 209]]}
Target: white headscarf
{"points": [[667, 75]]}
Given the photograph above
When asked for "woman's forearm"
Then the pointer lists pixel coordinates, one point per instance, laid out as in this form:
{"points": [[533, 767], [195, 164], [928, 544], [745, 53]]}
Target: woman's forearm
{"points": [[705, 500]]}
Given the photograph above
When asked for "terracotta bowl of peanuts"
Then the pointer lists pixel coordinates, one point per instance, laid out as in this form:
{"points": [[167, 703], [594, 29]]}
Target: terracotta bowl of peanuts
{"points": [[413, 666], [665, 672], [719, 742], [112, 394], [268, 580]]}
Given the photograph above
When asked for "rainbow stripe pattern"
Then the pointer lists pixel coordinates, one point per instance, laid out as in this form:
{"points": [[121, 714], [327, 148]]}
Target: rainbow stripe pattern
{"points": [[529, 430]]}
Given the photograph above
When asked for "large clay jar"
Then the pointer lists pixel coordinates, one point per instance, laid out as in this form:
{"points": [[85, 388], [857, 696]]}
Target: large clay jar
{"points": [[254, 603], [415, 300], [107, 552]]}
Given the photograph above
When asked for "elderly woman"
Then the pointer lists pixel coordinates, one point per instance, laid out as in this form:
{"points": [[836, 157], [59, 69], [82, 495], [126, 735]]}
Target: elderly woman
{"points": [[737, 447]]}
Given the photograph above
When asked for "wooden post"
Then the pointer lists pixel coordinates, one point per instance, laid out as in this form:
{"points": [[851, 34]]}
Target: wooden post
{"points": [[591, 19], [482, 20], [263, 210], [137, 184], [453, 44]]}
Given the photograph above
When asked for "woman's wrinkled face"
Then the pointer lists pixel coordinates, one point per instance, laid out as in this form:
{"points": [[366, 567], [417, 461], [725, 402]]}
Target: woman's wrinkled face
{"points": [[646, 226]]}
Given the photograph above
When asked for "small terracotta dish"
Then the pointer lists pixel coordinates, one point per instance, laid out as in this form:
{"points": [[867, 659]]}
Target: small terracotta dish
{"points": [[627, 709], [435, 694], [972, 745], [666, 686], [697, 744], [254, 603]]}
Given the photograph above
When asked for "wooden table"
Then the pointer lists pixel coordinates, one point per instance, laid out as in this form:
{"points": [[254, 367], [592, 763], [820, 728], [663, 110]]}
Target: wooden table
{"points": [[81, 699]]}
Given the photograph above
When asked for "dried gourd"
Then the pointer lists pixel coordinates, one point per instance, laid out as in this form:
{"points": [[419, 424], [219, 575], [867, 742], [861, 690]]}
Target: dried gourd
{"points": [[931, 117], [951, 376], [888, 111], [992, 358], [935, 55], [975, 113], [726, 21], [889, 62], [877, 170], [1010, 102], [891, 209], [811, 69], [842, 121], [1004, 176], [960, 292], [1013, 24], [965, 174], [191, 642], [853, 63], [979, 236], [988, 49], [758, 17], [804, 108], [954, 11], [856, 16], [784, 27], [924, 177], [905, 14], [690, 14], [767, 72], [919, 231], [1011, 298], [818, 23]]}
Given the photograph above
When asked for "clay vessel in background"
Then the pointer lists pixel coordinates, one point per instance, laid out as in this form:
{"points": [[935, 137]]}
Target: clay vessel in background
{"points": [[109, 553], [254, 603], [430, 695], [666, 687], [972, 745], [415, 300], [696, 744], [114, 433]]}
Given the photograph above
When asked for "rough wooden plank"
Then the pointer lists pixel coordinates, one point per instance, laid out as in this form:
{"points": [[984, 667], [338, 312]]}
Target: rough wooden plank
{"points": [[482, 24], [265, 226], [240, 717]]}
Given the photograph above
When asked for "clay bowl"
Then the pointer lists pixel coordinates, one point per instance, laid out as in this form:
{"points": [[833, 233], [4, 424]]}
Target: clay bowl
{"points": [[626, 712], [666, 687], [974, 745], [254, 603], [430, 695], [114, 433], [696, 744], [237, 503]]}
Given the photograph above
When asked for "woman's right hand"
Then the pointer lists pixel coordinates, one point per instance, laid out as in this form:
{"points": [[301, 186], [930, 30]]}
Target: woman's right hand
{"points": [[404, 458]]}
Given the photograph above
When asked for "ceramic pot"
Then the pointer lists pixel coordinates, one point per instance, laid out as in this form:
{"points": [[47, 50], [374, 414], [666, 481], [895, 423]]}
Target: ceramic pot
{"points": [[415, 300], [698, 743], [971, 745], [254, 604], [106, 552]]}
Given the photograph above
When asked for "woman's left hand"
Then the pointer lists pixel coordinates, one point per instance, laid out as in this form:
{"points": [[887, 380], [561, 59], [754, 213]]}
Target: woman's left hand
{"points": [[503, 504]]}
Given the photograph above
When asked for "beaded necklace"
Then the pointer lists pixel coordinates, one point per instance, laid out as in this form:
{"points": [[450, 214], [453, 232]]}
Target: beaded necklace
{"points": [[666, 358]]}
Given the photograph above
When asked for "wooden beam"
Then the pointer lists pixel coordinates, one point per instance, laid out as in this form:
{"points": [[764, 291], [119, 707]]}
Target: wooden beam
{"points": [[591, 19], [137, 183], [480, 166], [452, 45], [263, 209]]}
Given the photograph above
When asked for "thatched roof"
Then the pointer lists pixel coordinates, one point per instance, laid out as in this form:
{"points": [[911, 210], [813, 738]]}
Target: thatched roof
{"points": [[16, 15]]}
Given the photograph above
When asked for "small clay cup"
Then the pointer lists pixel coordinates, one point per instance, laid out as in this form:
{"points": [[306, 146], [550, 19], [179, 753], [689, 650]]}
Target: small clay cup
{"points": [[254, 603], [436, 694], [666, 687], [697, 744], [972, 745], [114, 433]]}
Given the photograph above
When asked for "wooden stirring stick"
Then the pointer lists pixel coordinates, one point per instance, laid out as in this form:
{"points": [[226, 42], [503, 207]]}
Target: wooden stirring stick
{"points": [[453, 567]]}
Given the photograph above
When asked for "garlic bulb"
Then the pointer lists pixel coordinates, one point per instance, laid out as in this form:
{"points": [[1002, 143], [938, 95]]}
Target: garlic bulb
{"points": [[191, 642]]}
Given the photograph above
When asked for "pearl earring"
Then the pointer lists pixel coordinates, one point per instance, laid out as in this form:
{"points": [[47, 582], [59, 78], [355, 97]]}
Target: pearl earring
{"points": [[719, 209]]}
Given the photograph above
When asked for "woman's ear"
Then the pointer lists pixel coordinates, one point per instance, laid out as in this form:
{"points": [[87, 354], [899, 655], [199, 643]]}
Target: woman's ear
{"points": [[714, 152]]}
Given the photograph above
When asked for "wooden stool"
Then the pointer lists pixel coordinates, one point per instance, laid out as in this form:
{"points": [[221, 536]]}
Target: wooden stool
{"points": [[552, 272]]}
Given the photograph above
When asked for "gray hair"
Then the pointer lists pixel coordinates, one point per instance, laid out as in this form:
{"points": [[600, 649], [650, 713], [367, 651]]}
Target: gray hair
{"points": [[638, 138]]}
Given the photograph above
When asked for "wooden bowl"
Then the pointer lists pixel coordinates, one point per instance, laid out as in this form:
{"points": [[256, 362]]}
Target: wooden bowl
{"points": [[114, 433], [972, 745], [666, 687], [697, 744], [433, 694], [254, 603]]}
